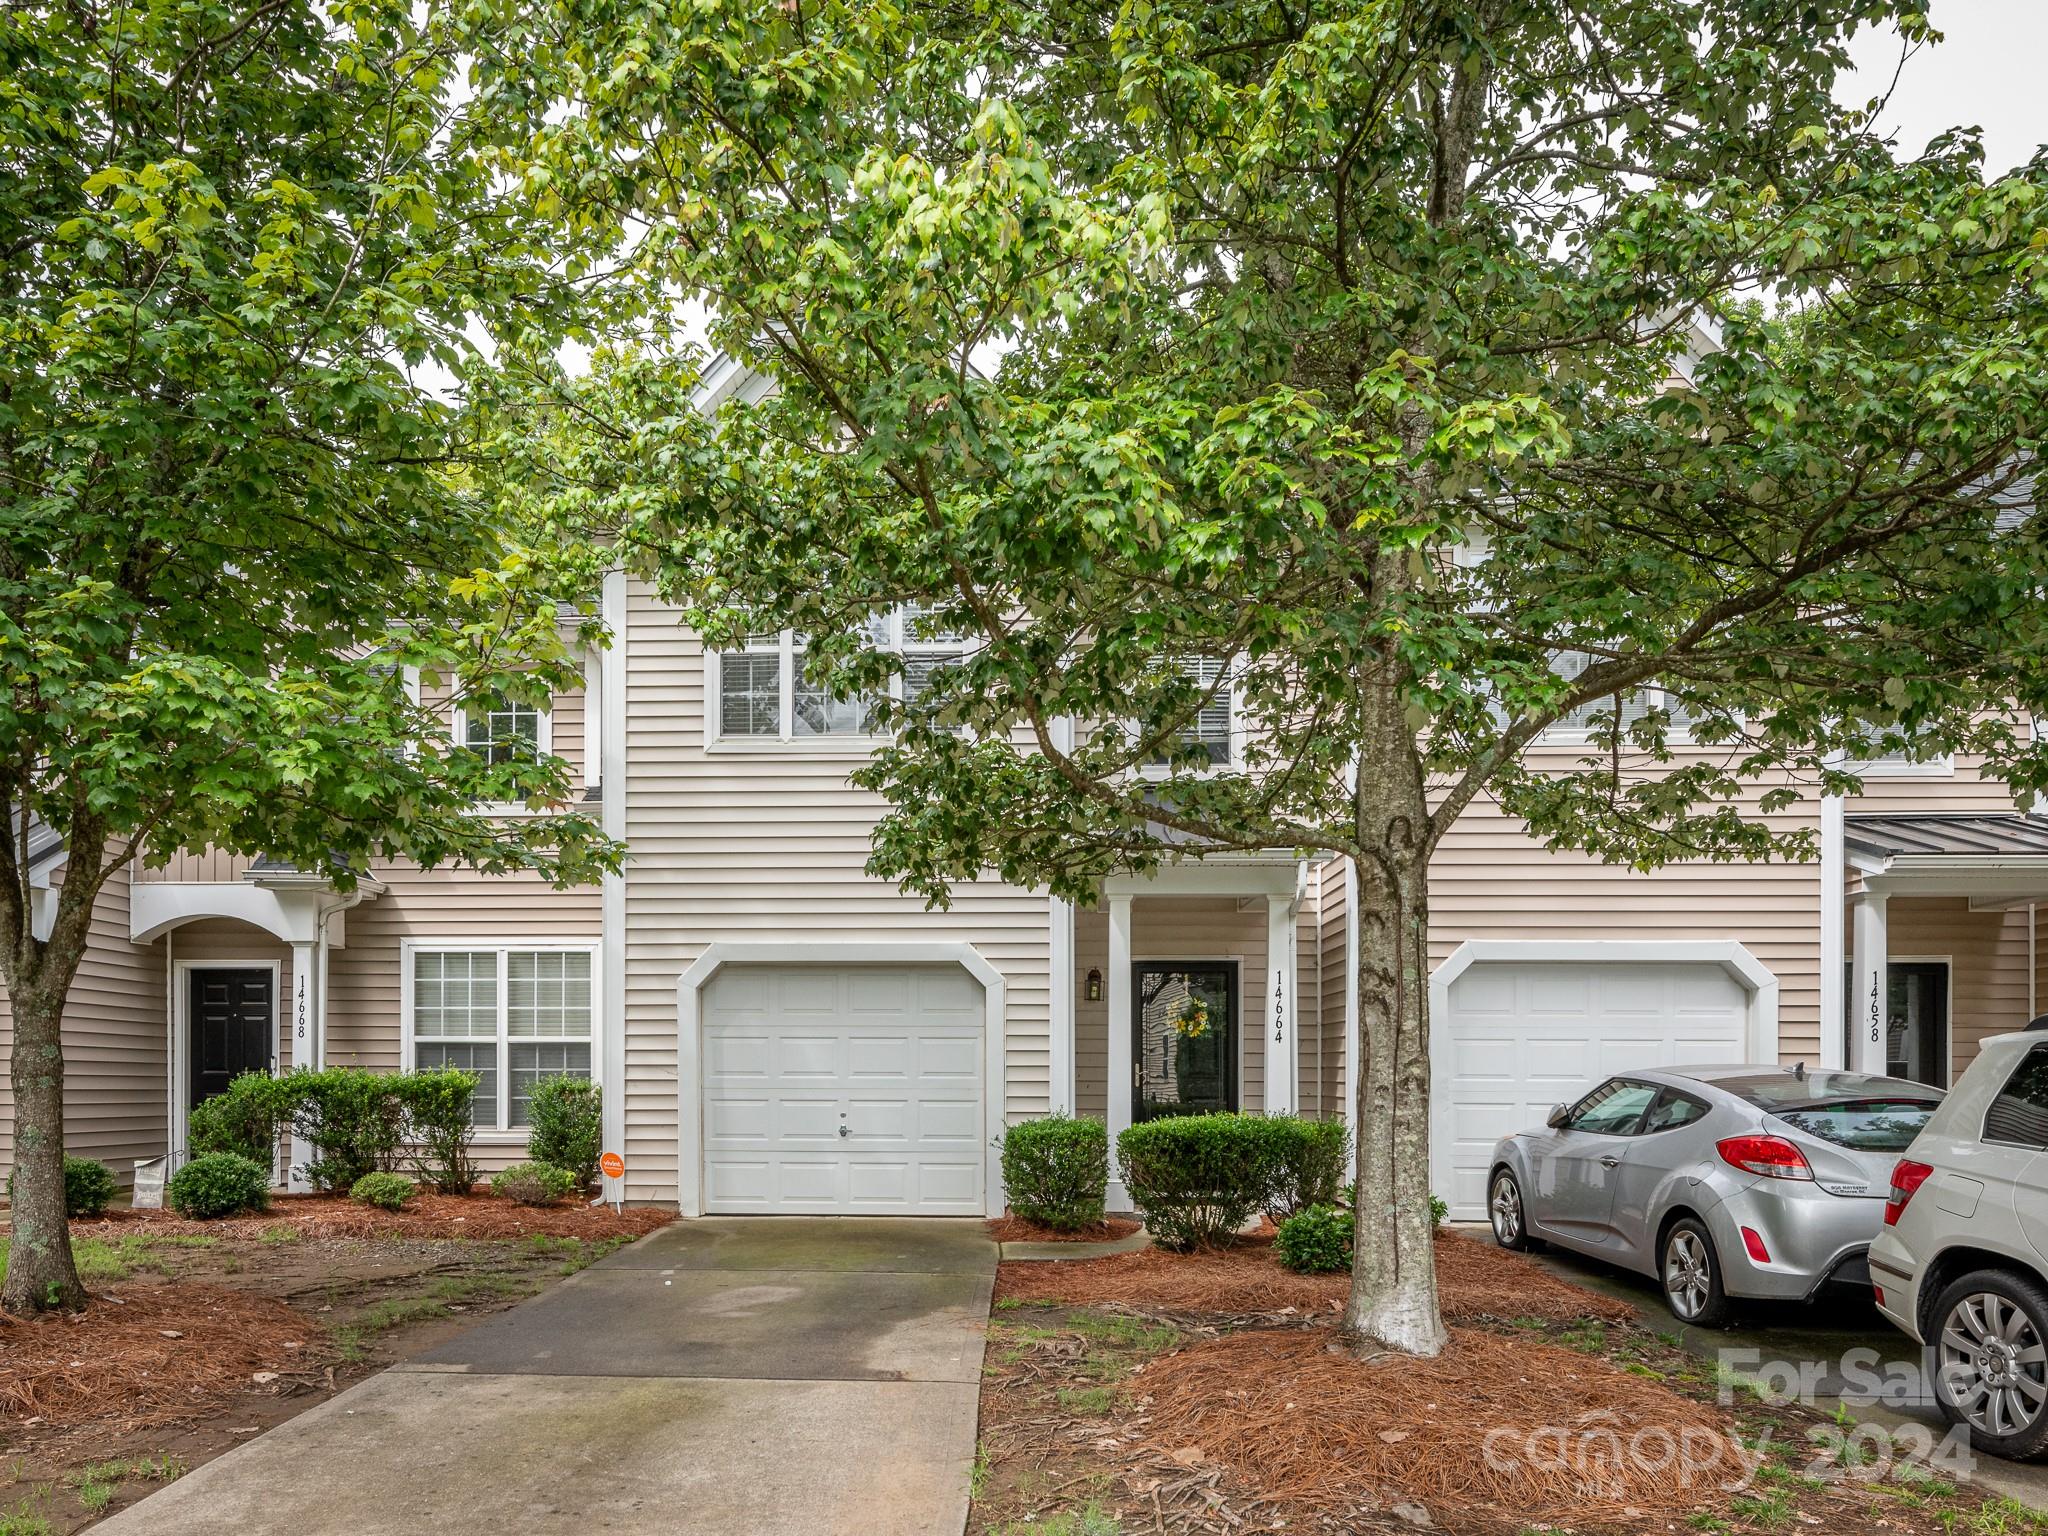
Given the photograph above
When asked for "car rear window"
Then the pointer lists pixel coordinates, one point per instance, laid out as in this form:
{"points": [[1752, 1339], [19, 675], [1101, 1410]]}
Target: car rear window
{"points": [[1862, 1125]]}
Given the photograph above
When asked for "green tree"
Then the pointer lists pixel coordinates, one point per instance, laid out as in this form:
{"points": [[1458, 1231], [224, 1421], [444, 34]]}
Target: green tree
{"points": [[230, 515], [1342, 353]]}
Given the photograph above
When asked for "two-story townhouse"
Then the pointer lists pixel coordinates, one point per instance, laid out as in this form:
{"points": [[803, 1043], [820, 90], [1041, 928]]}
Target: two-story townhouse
{"points": [[778, 1031]]}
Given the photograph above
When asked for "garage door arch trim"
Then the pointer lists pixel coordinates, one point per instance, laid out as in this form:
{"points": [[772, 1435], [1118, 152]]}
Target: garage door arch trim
{"points": [[690, 1039]]}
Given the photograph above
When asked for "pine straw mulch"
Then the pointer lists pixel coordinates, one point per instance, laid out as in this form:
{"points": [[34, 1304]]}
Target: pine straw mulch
{"points": [[1007, 1228], [152, 1355], [1475, 1280], [426, 1214], [1502, 1432]]}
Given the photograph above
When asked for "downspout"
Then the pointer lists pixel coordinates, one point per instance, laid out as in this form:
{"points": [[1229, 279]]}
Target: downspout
{"points": [[1834, 1023], [2033, 966]]}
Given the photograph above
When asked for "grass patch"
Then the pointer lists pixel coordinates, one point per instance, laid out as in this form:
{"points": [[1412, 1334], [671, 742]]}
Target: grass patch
{"points": [[2000, 1517], [101, 1261], [1089, 1402], [96, 1483], [1089, 1520], [23, 1521], [279, 1234], [382, 1317]]}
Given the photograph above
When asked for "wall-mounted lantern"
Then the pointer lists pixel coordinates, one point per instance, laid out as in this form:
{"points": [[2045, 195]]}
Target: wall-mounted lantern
{"points": [[1094, 985]]}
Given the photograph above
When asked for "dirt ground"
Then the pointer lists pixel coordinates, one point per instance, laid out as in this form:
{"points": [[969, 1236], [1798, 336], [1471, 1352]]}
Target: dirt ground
{"points": [[204, 1334], [1171, 1394]]}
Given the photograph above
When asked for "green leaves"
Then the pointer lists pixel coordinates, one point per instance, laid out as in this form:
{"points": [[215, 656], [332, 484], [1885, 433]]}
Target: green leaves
{"points": [[232, 517]]}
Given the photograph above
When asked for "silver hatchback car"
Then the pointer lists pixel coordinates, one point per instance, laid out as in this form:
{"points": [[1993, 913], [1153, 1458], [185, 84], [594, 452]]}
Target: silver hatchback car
{"points": [[1743, 1181]]}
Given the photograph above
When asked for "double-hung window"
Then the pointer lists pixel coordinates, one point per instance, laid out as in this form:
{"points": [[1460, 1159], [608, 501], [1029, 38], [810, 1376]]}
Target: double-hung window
{"points": [[1578, 725], [512, 1014], [764, 695], [1213, 724]]}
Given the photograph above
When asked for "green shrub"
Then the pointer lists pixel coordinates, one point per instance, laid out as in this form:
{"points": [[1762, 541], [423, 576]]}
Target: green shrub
{"points": [[386, 1191], [1308, 1160], [246, 1118], [533, 1183], [354, 1118], [218, 1184], [565, 1126], [440, 1124], [1315, 1241], [1197, 1179], [1439, 1208], [88, 1187], [1056, 1171]]}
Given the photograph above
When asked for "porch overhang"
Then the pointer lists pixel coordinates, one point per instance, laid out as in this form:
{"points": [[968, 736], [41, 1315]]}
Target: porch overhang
{"points": [[1993, 861], [285, 903]]}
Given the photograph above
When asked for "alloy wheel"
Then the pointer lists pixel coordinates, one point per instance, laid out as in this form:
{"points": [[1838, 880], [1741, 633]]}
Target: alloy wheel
{"points": [[1993, 1366], [1688, 1273], [1506, 1207]]}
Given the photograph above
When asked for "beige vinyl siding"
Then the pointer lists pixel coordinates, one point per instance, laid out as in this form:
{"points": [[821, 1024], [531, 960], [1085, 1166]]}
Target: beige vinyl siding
{"points": [[1491, 880], [751, 844], [1333, 982], [1987, 959], [1310, 1050], [1091, 1020], [1966, 790], [207, 866], [114, 1046]]}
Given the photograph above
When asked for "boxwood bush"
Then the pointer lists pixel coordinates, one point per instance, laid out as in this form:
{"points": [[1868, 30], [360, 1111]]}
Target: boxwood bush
{"points": [[1316, 1240], [355, 1119], [1056, 1171], [440, 1125], [386, 1191], [565, 1120], [218, 1184], [88, 1187], [246, 1118], [1197, 1179], [1307, 1161], [533, 1183]]}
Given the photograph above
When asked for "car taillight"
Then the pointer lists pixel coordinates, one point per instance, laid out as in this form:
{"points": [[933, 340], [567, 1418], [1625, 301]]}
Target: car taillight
{"points": [[1772, 1156], [1906, 1178]]}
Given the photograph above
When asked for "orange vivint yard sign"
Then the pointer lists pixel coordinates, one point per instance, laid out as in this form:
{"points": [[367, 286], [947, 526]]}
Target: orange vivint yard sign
{"points": [[612, 1166]]}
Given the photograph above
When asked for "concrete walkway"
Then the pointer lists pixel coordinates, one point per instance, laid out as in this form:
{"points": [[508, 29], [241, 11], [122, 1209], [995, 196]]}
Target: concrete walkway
{"points": [[750, 1377]]}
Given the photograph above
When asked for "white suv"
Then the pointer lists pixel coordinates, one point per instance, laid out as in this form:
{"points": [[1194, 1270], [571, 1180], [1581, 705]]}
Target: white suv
{"points": [[1960, 1264]]}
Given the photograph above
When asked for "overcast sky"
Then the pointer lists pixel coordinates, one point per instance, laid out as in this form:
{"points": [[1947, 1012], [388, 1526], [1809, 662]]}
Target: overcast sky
{"points": [[1988, 72]]}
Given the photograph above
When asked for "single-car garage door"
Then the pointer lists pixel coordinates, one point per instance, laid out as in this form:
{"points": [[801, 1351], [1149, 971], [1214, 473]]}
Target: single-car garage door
{"points": [[1524, 1035], [852, 1089]]}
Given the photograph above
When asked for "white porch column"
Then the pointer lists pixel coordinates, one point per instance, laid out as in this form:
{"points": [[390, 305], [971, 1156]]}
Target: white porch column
{"points": [[1122, 1065], [1867, 993], [307, 1049], [1833, 882], [1283, 1029], [1060, 1088]]}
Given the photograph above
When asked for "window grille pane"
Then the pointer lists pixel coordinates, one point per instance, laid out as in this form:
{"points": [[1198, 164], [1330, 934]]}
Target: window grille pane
{"points": [[919, 670], [532, 1062], [482, 1059], [750, 693], [1210, 729], [817, 713], [502, 730], [455, 993], [547, 994]]}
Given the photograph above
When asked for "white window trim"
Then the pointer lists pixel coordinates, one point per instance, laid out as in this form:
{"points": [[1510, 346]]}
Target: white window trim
{"points": [[786, 739], [1558, 734], [1942, 767], [408, 1035]]}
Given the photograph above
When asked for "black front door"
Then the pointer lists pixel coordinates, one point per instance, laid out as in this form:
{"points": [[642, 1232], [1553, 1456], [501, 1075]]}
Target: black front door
{"points": [[232, 1009], [1186, 1038]]}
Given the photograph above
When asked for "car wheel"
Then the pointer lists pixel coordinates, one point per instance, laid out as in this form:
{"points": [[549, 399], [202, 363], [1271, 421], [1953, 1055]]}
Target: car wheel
{"points": [[1990, 1361], [1691, 1272], [1509, 1217]]}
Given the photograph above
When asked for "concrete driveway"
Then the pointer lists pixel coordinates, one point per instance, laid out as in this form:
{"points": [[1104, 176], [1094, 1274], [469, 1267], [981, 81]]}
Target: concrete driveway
{"points": [[1840, 1344], [751, 1377]]}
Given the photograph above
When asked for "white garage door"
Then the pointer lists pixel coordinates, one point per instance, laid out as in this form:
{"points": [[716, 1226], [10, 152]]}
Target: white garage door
{"points": [[1524, 1035], [853, 1089]]}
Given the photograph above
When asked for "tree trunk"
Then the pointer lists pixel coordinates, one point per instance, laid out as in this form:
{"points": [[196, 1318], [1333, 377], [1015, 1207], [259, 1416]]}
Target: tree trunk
{"points": [[40, 1271], [1393, 1266]]}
